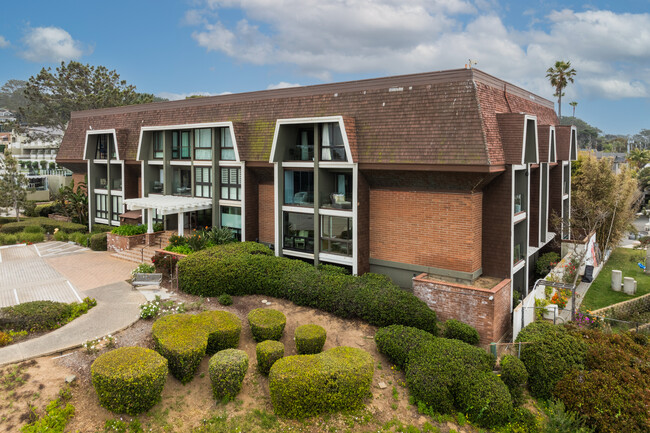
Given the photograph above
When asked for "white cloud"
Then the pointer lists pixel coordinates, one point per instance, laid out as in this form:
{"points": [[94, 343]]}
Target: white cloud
{"points": [[50, 44], [325, 37], [283, 85], [3, 42], [177, 96]]}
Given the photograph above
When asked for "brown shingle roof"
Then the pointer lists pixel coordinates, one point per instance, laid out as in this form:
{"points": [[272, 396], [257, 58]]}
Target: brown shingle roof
{"points": [[544, 138], [511, 129], [433, 118]]}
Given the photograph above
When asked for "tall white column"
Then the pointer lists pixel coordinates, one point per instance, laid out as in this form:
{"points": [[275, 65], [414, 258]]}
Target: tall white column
{"points": [[149, 220], [181, 223]]}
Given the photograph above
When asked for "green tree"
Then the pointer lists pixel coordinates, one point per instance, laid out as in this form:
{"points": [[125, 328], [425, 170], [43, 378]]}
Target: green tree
{"points": [[560, 75], [573, 105], [13, 184], [602, 200], [74, 202], [588, 136], [638, 157], [52, 95], [643, 176]]}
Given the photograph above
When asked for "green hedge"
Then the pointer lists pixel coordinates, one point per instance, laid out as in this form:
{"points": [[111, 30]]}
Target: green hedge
{"points": [[30, 237], [305, 385], [267, 353], [7, 239], [433, 371], [515, 376], [61, 236], [457, 330], [248, 268], [129, 379], [34, 229], [483, 398], [551, 353], [98, 242], [227, 370], [398, 342], [42, 315], [130, 230], [266, 324], [184, 339], [48, 225], [310, 339]]}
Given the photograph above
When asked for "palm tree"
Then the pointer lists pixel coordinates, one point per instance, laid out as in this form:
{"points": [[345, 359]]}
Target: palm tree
{"points": [[640, 157], [573, 104], [560, 75]]}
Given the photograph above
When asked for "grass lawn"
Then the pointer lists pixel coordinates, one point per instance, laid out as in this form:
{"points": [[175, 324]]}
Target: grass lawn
{"points": [[600, 294]]}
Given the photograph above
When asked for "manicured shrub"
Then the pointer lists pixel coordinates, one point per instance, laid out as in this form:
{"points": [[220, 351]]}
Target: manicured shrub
{"points": [[98, 242], [267, 353], [398, 342], [143, 268], [61, 236], [545, 263], [227, 370], [247, 268], [43, 210], [7, 239], [101, 228], [129, 230], [225, 299], [309, 339], [129, 379], [79, 238], [33, 229], [46, 223], [551, 353], [266, 324], [305, 385], [483, 397], [30, 238], [433, 371], [184, 339], [514, 375], [457, 330]]}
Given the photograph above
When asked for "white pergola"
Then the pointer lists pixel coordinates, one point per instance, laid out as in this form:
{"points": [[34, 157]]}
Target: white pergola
{"points": [[168, 205]]}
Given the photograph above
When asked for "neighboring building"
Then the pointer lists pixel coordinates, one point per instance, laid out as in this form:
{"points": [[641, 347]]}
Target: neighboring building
{"points": [[453, 174], [618, 159]]}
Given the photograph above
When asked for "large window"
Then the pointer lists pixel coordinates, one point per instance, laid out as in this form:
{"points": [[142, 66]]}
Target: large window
{"points": [[203, 144], [336, 235], [158, 145], [181, 145], [157, 185], [299, 188], [102, 146], [101, 206], [231, 218], [230, 183], [336, 190], [116, 207], [332, 146], [227, 148], [298, 232], [303, 148], [182, 181], [203, 182]]}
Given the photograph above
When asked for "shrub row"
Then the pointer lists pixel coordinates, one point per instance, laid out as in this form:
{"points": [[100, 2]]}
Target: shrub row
{"points": [[129, 379], [42, 315], [447, 375], [305, 385], [46, 223], [227, 369], [247, 268], [184, 339]]}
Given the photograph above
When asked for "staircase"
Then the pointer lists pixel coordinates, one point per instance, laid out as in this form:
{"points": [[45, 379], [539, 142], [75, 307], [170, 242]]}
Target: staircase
{"points": [[142, 253]]}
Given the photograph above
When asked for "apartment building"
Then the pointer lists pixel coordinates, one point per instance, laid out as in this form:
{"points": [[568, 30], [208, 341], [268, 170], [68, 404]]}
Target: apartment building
{"points": [[454, 173]]}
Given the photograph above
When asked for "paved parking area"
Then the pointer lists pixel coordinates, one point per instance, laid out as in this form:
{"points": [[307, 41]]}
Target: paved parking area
{"points": [[25, 276], [55, 249]]}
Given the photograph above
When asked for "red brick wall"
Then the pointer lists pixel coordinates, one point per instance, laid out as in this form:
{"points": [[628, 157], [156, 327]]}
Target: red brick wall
{"points": [[78, 178], [497, 220], [437, 229], [266, 213], [490, 317], [535, 179]]}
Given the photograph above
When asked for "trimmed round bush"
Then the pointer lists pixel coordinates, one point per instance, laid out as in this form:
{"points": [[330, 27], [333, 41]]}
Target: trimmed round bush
{"points": [[129, 379], [184, 339], [61, 236], [398, 342], [483, 398], [227, 369], [310, 339], [267, 353], [514, 375], [306, 385], [98, 242], [266, 324], [457, 330], [225, 299], [433, 371], [551, 353]]}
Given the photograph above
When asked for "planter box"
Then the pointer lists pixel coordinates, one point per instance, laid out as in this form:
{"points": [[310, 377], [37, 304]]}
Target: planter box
{"points": [[551, 312], [120, 243]]}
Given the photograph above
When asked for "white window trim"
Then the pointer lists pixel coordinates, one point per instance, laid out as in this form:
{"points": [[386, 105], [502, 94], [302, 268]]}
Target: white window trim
{"points": [[298, 164], [335, 258], [551, 144], [295, 121], [298, 209], [101, 221], [231, 203], [297, 254], [528, 117], [229, 125], [336, 212], [100, 161], [99, 132], [202, 163], [155, 162], [181, 163]]}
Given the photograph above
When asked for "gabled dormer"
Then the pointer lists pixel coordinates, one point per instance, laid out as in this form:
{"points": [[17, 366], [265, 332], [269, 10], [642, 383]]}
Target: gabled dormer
{"points": [[519, 138]]}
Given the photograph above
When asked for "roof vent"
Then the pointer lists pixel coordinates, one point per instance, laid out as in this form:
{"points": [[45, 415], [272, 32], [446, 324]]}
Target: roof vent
{"points": [[396, 89]]}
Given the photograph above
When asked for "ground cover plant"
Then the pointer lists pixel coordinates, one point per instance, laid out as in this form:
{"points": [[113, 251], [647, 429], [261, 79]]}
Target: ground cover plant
{"points": [[247, 268], [47, 224], [600, 293], [199, 240]]}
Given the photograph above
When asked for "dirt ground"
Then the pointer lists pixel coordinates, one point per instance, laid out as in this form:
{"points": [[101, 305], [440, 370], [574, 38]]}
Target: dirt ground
{"points": [[184, 407]]}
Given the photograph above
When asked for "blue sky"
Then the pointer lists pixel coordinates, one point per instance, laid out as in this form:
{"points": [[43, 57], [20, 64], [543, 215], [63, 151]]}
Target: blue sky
{"points": [[177, 48]]}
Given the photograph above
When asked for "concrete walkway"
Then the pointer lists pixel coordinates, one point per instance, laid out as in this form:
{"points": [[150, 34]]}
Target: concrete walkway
{"points": [[118, 306]]}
